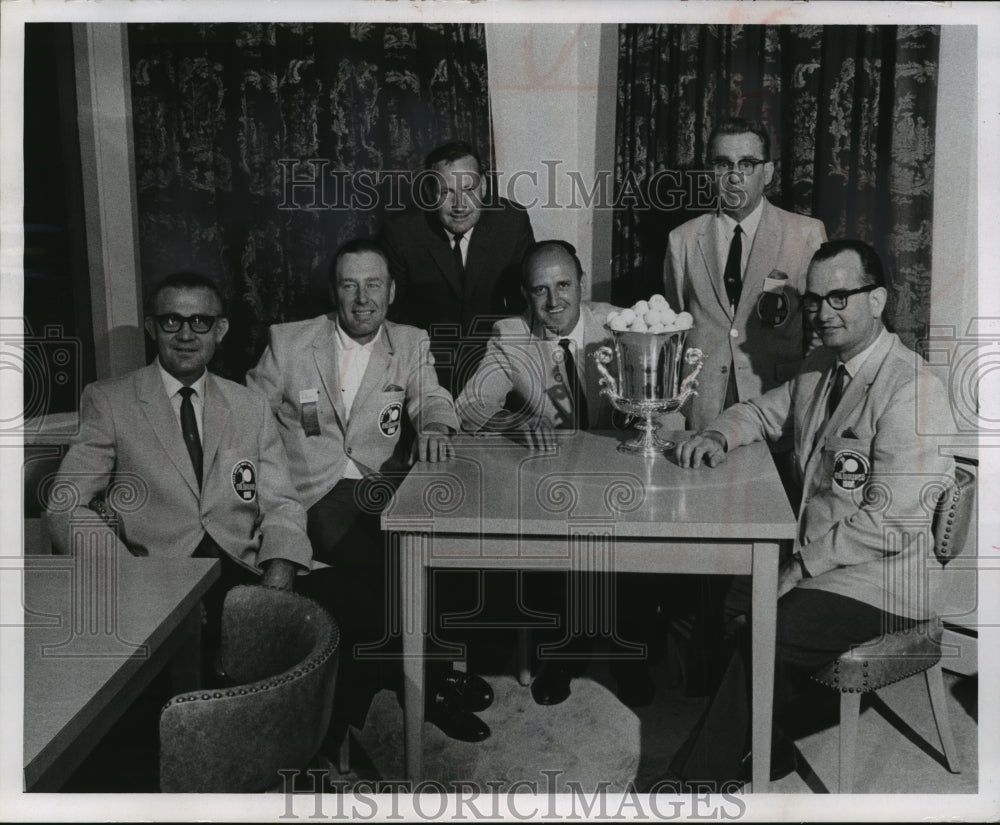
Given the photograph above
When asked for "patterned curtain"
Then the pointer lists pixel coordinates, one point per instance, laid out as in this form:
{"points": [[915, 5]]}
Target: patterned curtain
{"points": [[226, 115], [851, 113]]}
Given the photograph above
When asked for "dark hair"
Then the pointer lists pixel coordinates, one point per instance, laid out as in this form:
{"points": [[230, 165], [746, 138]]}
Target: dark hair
{"points": [[739, 126], [355, 247], [871, 264], [185, 279], [450, 152], [540, 246]]}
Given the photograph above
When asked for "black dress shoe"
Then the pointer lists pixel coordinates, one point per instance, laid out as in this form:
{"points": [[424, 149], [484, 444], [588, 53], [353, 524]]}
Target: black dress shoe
{"points": [[551, 685], [635, 686], [456, 722], [466, 690]]}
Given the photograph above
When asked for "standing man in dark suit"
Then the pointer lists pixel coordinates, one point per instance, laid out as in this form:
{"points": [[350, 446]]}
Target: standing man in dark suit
{"points": [[456, 265], [206, 449], [356, 400]]}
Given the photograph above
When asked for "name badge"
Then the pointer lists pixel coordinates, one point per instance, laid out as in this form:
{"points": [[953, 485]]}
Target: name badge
{"points": [[310, 416]]}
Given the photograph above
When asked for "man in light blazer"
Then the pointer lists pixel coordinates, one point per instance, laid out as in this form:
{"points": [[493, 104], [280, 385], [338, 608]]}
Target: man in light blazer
{"points": [[202, 453], [356, 401], [868, 473], [740, 271], [539, 379], [456, 260], [751, 330]]}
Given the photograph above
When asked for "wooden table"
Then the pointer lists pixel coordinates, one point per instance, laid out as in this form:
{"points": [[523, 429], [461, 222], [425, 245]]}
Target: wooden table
{"points": [[97, 629], [587, 506]]}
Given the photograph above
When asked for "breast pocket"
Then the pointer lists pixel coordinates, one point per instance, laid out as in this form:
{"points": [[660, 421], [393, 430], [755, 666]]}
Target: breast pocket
{"points": [[847, 464], [391, 411]]}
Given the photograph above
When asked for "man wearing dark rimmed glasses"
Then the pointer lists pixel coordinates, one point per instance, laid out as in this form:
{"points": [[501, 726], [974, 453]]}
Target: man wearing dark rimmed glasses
{"points": [[856, 412], [205, 452], [740, 271]]}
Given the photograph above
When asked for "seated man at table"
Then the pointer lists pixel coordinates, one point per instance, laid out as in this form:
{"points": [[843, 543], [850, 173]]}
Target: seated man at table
{"points": [[348, 390], [202, 452], [856, 412], [538, 377]]}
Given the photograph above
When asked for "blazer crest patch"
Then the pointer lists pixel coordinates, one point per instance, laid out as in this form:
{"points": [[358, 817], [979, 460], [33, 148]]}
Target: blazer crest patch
{"points": [[390, 418], [245, 480], [850, 469]]}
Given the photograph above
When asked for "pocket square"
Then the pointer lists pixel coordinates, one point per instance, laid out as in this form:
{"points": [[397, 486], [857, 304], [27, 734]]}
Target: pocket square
{"points": [[392, 388]]}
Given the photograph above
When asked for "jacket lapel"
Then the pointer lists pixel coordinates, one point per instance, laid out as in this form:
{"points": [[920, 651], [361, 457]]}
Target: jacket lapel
{"points": [[159, 412], [707, 243], [760, 263], [375, 377], [215, 421], [439, 248], [325, 353]]}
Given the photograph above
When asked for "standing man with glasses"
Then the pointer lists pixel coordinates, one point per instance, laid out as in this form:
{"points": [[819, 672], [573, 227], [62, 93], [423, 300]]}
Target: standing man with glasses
{"points": [[203, 452], [864, 414], [740, 271]]}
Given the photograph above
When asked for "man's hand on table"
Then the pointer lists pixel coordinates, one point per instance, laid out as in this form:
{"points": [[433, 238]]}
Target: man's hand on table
{"points": [[279, 573], [433, 444], [539, 437], [708, 447]]}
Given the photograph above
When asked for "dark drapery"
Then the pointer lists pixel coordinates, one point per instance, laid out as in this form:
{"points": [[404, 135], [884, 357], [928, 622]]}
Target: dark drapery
{"points": [[221, 115], [851, 112]]}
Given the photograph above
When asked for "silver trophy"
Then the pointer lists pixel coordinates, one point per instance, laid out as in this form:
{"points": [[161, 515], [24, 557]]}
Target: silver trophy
{"points": [[649, 381]]}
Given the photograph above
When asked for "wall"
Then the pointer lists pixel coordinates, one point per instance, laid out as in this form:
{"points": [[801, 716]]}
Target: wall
{"points": [[552, 93]]}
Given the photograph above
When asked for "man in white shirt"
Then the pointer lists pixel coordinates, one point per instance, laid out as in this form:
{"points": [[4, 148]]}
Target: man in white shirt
{"points": [[357, 400]]}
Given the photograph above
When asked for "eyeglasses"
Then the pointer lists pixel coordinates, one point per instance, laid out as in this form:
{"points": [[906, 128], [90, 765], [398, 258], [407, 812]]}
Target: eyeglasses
{"points": [[836, 299], [744, 165], [172, 322]]}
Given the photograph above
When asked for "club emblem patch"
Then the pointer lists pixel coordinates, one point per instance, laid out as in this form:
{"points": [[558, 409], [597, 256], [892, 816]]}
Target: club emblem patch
{"points": [[850, 469], [772, 308], [389, 418], [245, 480]]}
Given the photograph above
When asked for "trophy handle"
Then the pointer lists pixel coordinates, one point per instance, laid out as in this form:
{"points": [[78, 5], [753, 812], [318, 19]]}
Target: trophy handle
{"points": [[603, 355], [696, 357]]}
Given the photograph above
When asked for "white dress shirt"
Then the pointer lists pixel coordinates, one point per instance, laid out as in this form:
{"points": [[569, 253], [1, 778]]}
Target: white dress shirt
{"points": [[173, 388]]}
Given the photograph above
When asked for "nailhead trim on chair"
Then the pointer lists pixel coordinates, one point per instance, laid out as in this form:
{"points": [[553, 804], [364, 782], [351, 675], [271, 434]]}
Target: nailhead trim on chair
{"points": [[301, 669]]}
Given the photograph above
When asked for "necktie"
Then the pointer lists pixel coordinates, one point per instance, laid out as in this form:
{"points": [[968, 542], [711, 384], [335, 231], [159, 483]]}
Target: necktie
{"points": [[189, 429], [579, 399], [836, 390], [733, 275], [456, 251]]}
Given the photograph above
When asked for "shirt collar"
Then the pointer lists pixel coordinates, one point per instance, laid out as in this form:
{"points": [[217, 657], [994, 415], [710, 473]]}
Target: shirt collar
{"points": [[857, 362], [749, 224], [575, 335], [172, 385], [347, 342]]}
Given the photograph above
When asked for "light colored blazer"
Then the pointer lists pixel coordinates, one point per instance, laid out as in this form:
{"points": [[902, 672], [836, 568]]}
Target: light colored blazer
{"points": [[763, 355], [399, 382], [130, 435], [524, 374], [870, 474]]}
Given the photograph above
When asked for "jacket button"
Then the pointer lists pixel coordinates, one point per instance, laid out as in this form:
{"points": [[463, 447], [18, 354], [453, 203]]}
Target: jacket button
{"points": [[734, 333], [348, 450]]}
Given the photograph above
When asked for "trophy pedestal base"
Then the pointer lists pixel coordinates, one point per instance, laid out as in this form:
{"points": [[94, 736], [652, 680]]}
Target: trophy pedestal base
{"points": [[647, 443]]}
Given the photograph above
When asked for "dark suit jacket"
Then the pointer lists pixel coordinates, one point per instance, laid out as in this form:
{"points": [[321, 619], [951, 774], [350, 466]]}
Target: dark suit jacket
{"points": [[130, 435], [458, 311]]}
